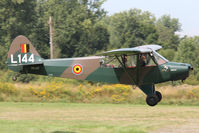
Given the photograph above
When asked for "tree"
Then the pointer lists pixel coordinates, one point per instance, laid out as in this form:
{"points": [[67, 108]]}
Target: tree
{"points": [[131, 28], [40, 32], [170, 23], [16, 17], [168, 53], [166, 28], [76, 27], [188, 53]]}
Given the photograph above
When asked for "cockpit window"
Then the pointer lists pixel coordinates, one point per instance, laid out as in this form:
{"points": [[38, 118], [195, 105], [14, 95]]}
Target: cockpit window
{"points": [[159, 58], [146, 60], [111, 61], [129, 61]]}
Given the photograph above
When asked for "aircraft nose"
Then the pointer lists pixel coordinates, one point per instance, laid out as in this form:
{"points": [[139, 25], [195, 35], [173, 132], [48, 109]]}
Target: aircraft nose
{"points": [[180, 71], [190, 67]]}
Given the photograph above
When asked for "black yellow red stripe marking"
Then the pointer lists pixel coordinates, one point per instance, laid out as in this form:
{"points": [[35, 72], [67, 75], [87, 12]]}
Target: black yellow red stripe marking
{"points": [[25, 48]]}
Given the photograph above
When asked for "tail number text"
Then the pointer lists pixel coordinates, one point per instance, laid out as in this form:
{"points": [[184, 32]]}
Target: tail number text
{"points": [[22, 59]]}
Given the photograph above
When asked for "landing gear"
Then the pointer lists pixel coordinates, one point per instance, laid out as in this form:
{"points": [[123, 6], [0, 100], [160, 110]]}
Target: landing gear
{"points": [[154, 99], [14, 78]]}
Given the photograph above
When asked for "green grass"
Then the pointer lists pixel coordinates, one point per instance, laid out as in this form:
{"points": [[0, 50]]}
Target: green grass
{"points": [[89, 118]]}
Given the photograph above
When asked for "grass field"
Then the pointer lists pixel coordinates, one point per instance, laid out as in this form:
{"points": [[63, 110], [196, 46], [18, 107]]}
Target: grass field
{"points": [[96, 118]]}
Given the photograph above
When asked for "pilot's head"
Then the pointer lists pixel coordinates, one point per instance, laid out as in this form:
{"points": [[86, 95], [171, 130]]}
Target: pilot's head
{"points": [[143, 57]]}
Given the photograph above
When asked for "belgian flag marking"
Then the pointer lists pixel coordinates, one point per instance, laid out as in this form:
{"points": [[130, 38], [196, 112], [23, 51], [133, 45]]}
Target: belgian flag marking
{"points": [[25, 48], [77, 69]]}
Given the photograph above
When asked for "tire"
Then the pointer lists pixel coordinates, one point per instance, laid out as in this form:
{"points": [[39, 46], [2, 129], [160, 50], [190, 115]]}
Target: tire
{"points": [[152, 100], [14, 78], [159, 95]]}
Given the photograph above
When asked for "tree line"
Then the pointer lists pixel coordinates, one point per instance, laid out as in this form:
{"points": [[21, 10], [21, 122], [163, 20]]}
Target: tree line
{"points": [[82, 28]]}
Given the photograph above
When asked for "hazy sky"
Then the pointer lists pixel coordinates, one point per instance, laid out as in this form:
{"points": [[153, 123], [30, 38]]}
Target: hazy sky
{"points": [[187, 11]]}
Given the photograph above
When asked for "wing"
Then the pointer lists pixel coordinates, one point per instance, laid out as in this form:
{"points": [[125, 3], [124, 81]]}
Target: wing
{"points": [[135, 50]]}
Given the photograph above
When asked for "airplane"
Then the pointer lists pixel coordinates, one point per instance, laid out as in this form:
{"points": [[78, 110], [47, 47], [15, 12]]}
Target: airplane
{"points": [[141, 66]]}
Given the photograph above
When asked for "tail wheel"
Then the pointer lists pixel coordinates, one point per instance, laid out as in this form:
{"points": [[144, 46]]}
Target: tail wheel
{"points": [[159, 95], [152, 100], [14, 78]]}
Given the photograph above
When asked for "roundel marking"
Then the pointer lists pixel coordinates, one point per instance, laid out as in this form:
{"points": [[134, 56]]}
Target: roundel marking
{"points": [[77, 69]]}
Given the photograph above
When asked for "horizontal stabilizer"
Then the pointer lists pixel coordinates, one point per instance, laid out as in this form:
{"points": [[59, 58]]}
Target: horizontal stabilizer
{"points": [[32, 64]]}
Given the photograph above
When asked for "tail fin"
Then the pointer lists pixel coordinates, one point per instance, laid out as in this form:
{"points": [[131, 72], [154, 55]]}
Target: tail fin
{"points": [[22, 53]]}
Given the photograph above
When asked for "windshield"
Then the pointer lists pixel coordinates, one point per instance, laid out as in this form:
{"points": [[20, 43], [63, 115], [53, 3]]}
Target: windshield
{"points": [[159, 58]]}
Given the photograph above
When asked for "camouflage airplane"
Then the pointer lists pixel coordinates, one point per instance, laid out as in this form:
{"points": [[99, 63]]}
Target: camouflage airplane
{"points": [[141, 66]]}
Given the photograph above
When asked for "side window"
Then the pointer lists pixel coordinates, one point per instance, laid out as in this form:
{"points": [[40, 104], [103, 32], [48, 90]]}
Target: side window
{"points": [[131, 61], [146, 60], [111, 61]]}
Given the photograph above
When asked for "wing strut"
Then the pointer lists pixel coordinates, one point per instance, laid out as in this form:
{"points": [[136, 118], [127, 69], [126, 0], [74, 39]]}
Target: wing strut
{"points": [[137, 68], [125, 70]]}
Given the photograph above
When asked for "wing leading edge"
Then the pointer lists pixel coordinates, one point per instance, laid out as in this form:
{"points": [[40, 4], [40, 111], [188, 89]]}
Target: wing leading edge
{"points": [[134, 50]]}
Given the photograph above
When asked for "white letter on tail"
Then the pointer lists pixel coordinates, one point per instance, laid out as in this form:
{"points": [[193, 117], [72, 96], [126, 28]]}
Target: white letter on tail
{"points": [[31, 58], [25, 58], [12, 59]]}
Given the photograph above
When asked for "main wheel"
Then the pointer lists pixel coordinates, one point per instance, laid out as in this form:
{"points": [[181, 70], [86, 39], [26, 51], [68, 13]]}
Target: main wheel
{"points": [[152, 100], [159, 95]]}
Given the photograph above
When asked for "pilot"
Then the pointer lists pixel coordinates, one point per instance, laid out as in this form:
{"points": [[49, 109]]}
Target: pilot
{"points": [[125, 60], [143, 61], [101, 62]]}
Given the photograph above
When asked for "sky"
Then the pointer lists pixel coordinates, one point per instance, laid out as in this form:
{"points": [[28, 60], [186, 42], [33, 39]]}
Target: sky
{"points": [[187, 11]]}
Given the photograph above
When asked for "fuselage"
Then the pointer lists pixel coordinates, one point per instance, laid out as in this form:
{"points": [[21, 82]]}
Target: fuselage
{"points": [[94, 70]]}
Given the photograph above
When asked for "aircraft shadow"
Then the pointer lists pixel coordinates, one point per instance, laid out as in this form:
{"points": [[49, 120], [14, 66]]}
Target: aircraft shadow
{"points": [[62, 132]]}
